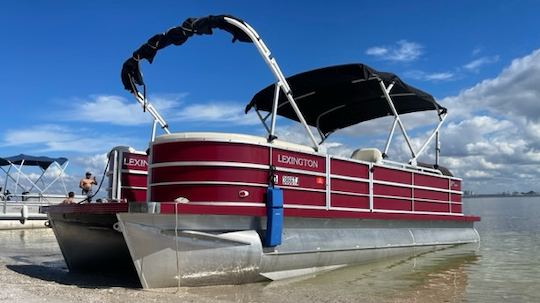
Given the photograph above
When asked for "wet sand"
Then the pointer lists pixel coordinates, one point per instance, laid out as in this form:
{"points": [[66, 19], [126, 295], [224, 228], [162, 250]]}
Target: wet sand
{"points": [[32, 270]]}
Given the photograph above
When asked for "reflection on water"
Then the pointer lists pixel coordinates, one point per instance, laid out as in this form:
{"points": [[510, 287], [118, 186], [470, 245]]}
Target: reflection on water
{"points": [[505, 267], [30, 244]]}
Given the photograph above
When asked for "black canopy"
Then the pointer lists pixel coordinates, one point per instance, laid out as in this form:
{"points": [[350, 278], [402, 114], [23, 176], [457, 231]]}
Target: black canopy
{"points": [[338, 96], [43, 162], [177, 36]]}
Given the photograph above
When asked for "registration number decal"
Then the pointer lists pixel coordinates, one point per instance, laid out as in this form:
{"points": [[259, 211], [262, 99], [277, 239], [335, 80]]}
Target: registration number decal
{"points": [[289, 180]]}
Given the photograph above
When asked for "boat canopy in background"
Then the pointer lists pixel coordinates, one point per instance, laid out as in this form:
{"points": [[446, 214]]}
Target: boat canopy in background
{"points": [[339, 96], [43, 162]]}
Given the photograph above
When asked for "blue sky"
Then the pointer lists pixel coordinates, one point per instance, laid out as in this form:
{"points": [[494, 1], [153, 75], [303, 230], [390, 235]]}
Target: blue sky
{"points": [[62, 94]]}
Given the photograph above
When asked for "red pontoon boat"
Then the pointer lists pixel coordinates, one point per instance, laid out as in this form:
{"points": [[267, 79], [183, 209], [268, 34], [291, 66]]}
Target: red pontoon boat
{"points": [[232, 208]]}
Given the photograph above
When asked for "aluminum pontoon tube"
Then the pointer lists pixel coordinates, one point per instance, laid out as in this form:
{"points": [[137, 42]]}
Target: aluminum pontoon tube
{"points": [[229, 249]]}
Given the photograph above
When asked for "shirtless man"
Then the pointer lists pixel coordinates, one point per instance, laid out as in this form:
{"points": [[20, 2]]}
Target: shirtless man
{"points": [[70, 199], [86, 186]]}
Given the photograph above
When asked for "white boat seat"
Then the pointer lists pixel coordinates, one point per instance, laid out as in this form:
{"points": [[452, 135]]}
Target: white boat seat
{"points": [[368, 154]]}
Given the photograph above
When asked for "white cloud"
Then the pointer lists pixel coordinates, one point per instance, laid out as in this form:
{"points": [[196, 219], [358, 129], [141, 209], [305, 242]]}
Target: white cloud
{"points": [[92, 163], [478, 174], [47, 138], [403, 51], [423, 76], [377, 51], [222, 112], [493, 140], [492, 137], [476, 51], [118, 110], [515, 92], [476, 64]]}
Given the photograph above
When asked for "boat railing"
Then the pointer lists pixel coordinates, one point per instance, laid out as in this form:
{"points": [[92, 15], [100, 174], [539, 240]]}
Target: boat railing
{"points": [[13, 202], [411, 167]]}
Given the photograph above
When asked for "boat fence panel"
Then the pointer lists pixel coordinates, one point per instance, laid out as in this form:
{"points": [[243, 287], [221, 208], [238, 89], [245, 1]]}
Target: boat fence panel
{"points": [[231, 177]]}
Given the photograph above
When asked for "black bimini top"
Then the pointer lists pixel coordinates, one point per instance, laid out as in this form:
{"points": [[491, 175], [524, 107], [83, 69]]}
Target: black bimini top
{"points": [[43, 162], [339, 96], [178, 35]]}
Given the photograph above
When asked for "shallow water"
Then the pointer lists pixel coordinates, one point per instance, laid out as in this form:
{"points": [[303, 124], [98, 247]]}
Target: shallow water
{"points": [[504, 267]]}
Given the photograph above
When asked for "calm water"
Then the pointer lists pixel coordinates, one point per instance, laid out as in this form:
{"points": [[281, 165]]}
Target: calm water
{"points": [[504, 267]]}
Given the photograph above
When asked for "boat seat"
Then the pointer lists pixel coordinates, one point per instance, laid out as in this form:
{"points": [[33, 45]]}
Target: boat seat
{"points": [[368, 154]]}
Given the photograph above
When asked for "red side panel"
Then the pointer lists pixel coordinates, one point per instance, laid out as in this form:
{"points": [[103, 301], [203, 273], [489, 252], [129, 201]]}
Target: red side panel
{"points": [[391, 204], [209, 193], [395, 191], [455, 185], [340, 200], [133, 180], [456, 208], [430, 181], [133, 195], [209, 173], [131, 163], [456, 197], [391, 175], [210, 151], [430, 194], [349, 169], [298, 197], [431, 206], [302, 176], [350, 186]]}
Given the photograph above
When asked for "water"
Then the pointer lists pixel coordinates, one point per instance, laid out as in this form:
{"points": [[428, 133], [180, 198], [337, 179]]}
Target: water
{"points": [[504, 267]]}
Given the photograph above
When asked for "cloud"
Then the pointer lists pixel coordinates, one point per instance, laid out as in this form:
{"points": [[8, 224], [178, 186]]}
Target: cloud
{"points": [[476, 64], [50, 137], [117, 110], [120, 111], [222, 112], [514, 92], [94, 163], [377, 51], [493, 140], [492, 136], [423, 76], [476, 51], [403, 51]]}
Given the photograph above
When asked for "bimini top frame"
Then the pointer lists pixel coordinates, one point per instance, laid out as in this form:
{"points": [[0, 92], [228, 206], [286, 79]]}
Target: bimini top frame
{"points": [[345, 95], [336, 97], [241, 31], [17, 163]]}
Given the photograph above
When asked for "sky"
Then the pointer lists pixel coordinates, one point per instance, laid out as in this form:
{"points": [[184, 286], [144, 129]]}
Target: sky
{"points": [[61, 92]]}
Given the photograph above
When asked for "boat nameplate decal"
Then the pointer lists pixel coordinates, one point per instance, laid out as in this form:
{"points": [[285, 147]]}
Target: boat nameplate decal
{"points": [[298, 161]]}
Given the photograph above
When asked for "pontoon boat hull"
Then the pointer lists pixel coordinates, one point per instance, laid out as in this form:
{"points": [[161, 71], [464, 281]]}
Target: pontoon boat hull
{"points": [[89, 242], [214, 249]]}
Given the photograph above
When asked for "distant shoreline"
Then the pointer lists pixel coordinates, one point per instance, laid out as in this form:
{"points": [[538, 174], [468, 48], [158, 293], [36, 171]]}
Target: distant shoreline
{"points": [[498, 196]]}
